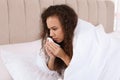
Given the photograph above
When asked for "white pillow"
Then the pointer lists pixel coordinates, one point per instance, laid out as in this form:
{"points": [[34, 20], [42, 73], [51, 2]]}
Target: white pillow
{"points": [[26, 47], [20, 59], [100, 27], [4, 75], [115, 34]]}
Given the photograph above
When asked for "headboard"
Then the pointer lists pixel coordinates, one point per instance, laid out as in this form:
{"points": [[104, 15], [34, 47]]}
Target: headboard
{"points": [[20, 19]]}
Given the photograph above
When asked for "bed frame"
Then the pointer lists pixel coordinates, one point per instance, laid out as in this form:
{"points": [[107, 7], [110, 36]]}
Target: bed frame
{"points": [[20, 19]]}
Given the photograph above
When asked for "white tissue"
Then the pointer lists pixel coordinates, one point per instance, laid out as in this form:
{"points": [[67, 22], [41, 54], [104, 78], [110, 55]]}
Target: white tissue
{"points": [[51, 40]]}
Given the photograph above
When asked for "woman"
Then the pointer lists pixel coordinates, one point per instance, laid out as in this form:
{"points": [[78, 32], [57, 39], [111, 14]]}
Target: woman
{"points": [[82, 47], [58, 25]]}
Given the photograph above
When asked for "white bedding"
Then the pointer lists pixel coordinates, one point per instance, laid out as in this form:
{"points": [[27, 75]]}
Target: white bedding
{"points": [[96, 55], [23, 63], [115, 34], [19, 60]]}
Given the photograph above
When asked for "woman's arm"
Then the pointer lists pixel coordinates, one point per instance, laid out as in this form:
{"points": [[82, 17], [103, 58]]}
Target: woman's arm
{"points": [[66, 59], [50, 63]]}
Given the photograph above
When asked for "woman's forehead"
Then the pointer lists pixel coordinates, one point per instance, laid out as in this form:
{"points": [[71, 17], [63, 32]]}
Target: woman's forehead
{"points": [[53, 21]]}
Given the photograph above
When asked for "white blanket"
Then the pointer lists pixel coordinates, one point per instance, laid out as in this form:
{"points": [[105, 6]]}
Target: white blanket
{"points": [[96, 56]]}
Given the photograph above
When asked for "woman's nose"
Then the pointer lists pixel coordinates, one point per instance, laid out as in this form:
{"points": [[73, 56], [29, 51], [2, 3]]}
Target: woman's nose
{"points": [[51, 33]]}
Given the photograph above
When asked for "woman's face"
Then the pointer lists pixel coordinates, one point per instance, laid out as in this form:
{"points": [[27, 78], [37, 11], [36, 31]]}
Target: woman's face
{"points": [[55, 28]]}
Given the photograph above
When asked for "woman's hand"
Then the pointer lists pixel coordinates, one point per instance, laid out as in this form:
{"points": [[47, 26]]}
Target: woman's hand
{"points": [[49, 53], [58, 52], [55, 49], [51, 60]]}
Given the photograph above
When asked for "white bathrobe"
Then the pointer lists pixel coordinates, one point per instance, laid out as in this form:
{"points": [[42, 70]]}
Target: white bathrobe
{"points": [[96, 56]]}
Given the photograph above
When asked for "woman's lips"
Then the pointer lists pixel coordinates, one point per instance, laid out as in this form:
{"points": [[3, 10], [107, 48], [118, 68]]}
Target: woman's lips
{"points": [[55, 39]]}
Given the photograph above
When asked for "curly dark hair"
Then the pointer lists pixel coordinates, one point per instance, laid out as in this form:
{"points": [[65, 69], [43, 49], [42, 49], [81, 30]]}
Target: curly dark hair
{"points": [[68, 19]]}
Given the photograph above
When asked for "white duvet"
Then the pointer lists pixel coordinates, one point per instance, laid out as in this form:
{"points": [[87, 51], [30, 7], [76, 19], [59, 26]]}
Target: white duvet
{"points": [[96, 55]]}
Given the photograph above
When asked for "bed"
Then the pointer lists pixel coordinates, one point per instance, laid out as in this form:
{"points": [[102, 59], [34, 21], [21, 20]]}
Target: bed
{"points": [[20, 21]]}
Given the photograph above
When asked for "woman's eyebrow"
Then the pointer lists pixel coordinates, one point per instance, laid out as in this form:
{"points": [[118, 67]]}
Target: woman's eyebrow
{"points": [[52, 27]]}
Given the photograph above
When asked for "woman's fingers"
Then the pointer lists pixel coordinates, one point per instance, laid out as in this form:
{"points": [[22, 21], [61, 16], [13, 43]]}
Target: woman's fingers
{"points": [[51, 46], [49, 53]]}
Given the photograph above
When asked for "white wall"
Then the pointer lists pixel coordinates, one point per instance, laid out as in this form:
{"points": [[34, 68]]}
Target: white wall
{"points": [[117, 15]]}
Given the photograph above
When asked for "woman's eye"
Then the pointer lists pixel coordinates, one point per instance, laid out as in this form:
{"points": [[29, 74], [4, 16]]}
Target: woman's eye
{"points": [[54, 28]]}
